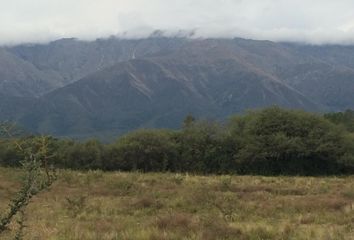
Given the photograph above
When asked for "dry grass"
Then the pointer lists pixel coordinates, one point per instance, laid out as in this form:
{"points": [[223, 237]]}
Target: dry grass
{"points": [[97, 205]]}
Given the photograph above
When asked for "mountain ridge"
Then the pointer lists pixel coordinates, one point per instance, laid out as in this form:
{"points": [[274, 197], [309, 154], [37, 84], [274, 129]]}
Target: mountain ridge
{"points": [[127, 84]]}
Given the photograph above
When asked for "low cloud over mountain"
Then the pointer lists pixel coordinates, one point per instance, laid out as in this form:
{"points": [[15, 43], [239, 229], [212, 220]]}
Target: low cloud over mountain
{"points": [[316, 21]]}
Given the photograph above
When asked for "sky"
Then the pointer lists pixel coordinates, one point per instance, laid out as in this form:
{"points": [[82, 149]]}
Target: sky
{"points": [[309, 21]]}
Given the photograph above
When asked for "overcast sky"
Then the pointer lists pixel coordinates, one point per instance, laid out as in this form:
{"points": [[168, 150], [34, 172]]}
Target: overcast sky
{"points": [[312, 21]]}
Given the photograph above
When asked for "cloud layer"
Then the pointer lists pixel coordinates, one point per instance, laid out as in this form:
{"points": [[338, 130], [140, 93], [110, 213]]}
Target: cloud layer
{"points": [[315, 21]]}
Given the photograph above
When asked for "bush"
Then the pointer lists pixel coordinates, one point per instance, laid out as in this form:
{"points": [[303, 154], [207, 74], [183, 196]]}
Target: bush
{"points": [[276, 141], [205, 147], [345, 119], [143, 150], [272, 141]]}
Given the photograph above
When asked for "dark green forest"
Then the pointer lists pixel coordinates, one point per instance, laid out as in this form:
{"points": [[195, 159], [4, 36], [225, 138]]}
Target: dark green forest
{"points": [[272, 141]]}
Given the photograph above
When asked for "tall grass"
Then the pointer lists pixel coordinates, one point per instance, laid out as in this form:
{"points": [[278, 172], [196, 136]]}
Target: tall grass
{"points": [[98, 205]]}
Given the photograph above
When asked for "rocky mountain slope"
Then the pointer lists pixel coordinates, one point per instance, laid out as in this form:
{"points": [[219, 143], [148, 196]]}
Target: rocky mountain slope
{"points": [[109, 86]]}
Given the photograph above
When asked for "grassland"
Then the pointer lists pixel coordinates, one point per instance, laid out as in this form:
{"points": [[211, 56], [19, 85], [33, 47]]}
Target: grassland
{"points": [[97, 205]]}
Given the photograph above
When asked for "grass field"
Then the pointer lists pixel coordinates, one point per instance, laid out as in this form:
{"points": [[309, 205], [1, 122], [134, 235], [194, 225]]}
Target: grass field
{"points": [[97, 205]]}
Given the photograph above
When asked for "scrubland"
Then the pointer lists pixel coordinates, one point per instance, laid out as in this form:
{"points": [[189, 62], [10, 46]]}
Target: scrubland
{"points": [[117, 205]]}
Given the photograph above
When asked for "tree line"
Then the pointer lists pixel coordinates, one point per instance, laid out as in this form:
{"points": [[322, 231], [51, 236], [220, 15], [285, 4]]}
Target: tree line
{"points": [[272, 141]]}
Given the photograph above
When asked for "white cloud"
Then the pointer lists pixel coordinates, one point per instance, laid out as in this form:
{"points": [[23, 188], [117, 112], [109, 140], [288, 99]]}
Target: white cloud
{"points": [[315, 21]]}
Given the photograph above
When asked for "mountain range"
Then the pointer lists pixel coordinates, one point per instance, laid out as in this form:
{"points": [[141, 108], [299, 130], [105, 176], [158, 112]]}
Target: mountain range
{"points": [[109, 86]]}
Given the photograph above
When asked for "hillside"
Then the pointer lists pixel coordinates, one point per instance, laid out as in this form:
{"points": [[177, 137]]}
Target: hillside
{"points": [[19, 78], [110, 86]]}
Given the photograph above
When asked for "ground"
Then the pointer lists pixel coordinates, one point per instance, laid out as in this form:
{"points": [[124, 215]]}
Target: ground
{"points": [[136, 206]]}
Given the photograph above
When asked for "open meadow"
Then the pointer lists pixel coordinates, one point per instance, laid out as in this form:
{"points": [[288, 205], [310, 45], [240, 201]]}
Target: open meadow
{"points": [[98, 205]]}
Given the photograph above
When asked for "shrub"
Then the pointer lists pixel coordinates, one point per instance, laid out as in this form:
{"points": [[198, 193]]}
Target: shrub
{"points": [[144, 150], [277, 141], [272, 141]]}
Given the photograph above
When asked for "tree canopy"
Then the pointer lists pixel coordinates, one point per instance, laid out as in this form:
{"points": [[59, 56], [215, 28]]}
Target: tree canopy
{"points": [[272, 141]]}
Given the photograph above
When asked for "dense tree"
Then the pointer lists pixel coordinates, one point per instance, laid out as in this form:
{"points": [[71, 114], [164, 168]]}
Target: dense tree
{"points": [[276, 141], [203, 148], [145, 150], [345, 119], [271, 141], [87, 155]]}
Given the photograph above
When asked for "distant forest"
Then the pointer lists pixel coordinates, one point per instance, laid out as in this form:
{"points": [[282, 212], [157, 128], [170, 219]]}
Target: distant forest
{"points": [[272, 141]]}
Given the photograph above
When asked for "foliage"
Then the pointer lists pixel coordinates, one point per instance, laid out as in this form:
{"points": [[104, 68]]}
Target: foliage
{"points": [[144, 150], [205, 147], [87, 155], [345, 119], [272, 141], [276, 141], [37, 177]]}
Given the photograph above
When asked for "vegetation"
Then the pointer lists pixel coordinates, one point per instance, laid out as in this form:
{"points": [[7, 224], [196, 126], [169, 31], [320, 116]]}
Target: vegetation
{"points": [[177, 203], [346, 119], [37, 177], [135, 206], [268, 142]]}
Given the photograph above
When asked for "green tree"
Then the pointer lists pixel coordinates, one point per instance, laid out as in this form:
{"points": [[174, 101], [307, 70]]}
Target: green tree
{"points": [[188, 121], [205, 147], [145, 150], [277, 141], [345, 119]]}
